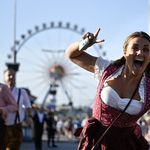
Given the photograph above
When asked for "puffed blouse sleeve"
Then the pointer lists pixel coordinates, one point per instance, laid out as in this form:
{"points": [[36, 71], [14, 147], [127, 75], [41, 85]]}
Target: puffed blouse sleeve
{"points": [[100, 65]]}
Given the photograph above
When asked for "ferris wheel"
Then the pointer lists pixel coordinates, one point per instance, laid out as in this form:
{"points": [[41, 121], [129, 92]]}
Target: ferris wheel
{"points": [[45, 69]]}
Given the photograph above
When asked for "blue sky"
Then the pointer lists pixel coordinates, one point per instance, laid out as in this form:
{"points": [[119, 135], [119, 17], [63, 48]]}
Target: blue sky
{"points": [[117, 19]]}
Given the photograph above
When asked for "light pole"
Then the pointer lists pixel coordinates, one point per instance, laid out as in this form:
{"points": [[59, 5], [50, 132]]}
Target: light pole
{"points": [[14, 65], [14, 40]]}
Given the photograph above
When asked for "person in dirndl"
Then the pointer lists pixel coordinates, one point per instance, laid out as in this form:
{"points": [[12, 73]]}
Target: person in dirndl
{"points": [[118, 80]]}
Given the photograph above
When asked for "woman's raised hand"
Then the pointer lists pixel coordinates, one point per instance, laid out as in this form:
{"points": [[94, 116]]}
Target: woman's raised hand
{"points": [[92, 38]]}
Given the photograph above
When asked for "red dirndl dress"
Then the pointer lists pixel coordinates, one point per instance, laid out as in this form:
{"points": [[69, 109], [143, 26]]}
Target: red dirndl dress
{"points": [[125, 134]]}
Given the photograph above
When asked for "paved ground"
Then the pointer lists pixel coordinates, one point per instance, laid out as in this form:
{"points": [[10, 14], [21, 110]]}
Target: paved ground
{"points": [[62, 144]]}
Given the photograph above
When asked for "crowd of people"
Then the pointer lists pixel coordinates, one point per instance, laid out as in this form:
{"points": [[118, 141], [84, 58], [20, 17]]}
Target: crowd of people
{"points": [[56, 128], [16, 110], [67, 127]]}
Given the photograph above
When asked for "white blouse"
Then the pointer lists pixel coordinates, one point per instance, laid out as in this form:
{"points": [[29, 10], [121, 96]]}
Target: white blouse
{"points": [[110, 97]]}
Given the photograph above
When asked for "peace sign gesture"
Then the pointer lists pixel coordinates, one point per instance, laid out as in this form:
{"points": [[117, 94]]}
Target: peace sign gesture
{"points": [[92, 38]]}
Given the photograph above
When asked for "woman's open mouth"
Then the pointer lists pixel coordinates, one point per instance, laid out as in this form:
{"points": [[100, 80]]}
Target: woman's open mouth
{"points": [[138, 63]]}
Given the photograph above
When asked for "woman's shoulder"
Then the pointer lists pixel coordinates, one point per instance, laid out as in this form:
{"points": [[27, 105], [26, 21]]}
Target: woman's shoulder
{"points": [[103, 62], [100, 66]]}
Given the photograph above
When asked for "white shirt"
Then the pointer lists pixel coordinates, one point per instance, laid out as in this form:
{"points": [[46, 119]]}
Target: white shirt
{"points": [[83, 123], [23, 104], [110, 97], [60, 124]]}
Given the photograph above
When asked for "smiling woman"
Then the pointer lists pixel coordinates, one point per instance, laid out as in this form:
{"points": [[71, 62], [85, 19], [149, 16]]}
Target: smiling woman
{"points": [[123, 94]]}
